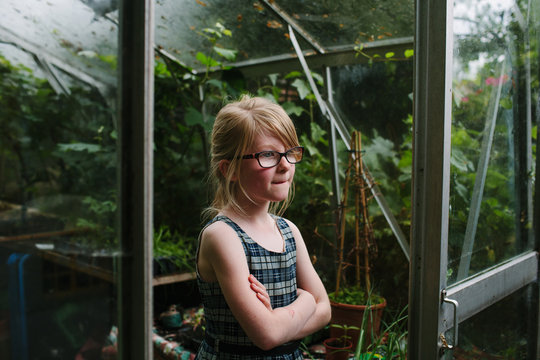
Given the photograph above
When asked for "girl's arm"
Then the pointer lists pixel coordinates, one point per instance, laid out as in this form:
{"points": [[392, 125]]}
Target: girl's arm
{"points": [[222, 259], [307, 280]]}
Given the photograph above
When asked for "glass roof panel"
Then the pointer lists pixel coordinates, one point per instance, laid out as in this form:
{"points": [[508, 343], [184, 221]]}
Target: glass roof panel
{"points": [[69, 33], [335, 23], [80, 36], [255, 32]]}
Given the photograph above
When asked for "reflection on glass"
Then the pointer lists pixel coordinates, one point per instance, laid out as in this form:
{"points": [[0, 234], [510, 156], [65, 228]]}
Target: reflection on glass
{"points": [[489, 198], [498, 332], [58, 233]]}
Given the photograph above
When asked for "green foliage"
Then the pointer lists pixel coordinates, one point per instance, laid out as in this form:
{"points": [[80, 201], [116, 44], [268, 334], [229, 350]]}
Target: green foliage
{"points": [[390, 344], [172, 246], [355, 296], [387, 56], [344, 338], [51, 146]]}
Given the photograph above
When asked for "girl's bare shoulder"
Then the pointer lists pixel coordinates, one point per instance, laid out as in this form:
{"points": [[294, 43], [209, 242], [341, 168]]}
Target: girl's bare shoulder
{"points": [[218, 234]]}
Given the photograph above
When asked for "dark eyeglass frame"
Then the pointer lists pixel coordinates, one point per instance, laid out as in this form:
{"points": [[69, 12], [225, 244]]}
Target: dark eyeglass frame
{"points": [[281, 155]]}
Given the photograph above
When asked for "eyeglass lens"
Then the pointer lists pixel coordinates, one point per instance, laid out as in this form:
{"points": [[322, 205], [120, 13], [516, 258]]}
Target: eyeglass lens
{"points": [[272, 158]]}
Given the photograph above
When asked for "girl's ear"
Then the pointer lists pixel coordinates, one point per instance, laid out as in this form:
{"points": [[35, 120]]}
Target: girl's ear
{"points": [[224, 168]]}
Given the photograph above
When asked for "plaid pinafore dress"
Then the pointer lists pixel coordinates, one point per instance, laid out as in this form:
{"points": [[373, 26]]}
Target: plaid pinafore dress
{"points": [[277, 272]]}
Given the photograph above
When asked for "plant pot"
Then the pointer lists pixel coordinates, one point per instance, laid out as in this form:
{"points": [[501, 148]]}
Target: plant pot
{"points": [[352, 315], [337, 349]]}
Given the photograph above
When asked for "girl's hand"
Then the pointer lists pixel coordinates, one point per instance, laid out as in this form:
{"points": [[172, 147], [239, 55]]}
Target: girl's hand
{"points": [[260, 291]]}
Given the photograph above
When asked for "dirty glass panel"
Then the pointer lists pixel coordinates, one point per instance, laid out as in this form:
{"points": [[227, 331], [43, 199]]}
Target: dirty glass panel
{"points": [[215, 32], [494, 84], [58, 231], [335, 23], [75, 35]]}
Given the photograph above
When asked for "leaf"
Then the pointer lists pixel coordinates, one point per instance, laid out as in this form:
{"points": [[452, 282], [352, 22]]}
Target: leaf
{"points": [[112, 60], [215, 82], [302, 87], [389, 55], [408, 53], [276, 91], [318, 134], [212, 31], [293, 74], [266, 95], [506, 103], [318, 78], [292, 108], [193, 117], [273, 78], [226, 53], [206, 60]]}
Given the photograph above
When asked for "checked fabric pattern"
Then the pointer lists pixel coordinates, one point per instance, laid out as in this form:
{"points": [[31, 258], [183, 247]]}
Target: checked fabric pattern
{"points": [[276, 271]]}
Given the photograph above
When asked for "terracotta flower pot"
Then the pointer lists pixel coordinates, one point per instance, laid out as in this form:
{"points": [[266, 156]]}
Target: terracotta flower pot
{"points": [[337, 349], [352, 315]]}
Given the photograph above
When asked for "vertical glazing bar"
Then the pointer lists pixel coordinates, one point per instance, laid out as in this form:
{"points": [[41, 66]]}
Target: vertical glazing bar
{"points": [[431, 167], [333, 139], [136, 173]]}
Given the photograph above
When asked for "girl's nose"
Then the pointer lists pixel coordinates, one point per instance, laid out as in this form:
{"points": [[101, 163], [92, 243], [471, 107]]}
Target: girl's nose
{"points": [[283, 164]]}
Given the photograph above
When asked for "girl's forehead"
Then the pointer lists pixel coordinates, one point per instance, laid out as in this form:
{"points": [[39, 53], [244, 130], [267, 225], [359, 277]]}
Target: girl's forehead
{"points": [[267, 141]]}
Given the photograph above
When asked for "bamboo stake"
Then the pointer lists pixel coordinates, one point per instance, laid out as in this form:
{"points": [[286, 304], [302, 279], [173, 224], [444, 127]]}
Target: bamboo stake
{"points": [[342, 226], [366, 231], [363, 231], [358, 184]]}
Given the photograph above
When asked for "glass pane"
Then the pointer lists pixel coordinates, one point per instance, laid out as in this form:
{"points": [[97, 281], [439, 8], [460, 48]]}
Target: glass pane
{"points": [[77, 35], [500, 331], [253, 31], [361, 94], [335, 23], [58, 165], [212, 27], [491, 158]]}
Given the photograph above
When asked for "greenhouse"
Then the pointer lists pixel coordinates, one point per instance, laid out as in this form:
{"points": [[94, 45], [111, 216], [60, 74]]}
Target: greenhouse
{"points": [[415, 188]]}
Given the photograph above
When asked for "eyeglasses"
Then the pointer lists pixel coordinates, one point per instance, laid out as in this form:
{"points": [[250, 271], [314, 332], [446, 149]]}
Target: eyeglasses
{"points": [[271, 158]]}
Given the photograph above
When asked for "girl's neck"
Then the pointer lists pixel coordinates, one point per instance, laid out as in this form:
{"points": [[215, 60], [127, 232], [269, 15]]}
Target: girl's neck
{"points": [[252, 214], [259, 226]]}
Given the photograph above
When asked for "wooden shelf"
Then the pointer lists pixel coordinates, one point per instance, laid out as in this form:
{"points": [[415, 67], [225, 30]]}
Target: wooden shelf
{"points": [[73, 263], [173, 278]]}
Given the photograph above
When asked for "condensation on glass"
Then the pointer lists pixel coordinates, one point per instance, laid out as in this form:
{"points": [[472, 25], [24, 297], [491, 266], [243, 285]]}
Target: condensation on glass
{"points": [[58, 180]]}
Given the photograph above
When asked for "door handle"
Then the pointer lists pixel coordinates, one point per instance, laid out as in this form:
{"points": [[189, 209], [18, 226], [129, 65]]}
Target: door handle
{"points": [[444, 343]]}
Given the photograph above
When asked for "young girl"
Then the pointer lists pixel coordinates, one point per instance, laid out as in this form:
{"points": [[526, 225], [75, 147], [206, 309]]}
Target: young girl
{"points": [[260, 292]]}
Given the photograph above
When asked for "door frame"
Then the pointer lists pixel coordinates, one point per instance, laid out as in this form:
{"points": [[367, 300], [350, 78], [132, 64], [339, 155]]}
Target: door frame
{"points": [[434, 308]]}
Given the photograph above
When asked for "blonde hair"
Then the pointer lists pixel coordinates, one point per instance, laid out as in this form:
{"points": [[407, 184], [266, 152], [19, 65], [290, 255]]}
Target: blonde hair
{"points": [[235, 128]]}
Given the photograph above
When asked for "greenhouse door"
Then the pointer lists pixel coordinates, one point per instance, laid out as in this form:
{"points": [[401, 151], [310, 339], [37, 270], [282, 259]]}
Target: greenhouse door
{"points": [[474, 265]]}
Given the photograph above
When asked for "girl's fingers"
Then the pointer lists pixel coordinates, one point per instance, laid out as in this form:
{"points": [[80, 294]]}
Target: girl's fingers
{"points": [[260, 291], [265, 300], [254, 280]]}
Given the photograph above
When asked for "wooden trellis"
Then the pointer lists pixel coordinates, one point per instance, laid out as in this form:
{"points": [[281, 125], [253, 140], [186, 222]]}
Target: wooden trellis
{"points": [[363, 231]]}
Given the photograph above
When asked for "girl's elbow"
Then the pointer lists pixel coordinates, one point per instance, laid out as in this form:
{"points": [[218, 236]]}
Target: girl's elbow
{"points": [[326, 313], [267, 342], [327, 316]]}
